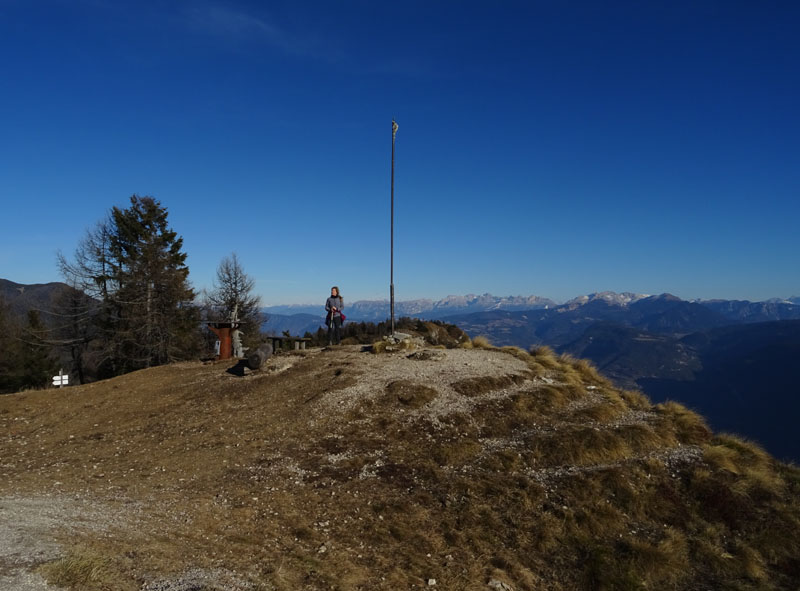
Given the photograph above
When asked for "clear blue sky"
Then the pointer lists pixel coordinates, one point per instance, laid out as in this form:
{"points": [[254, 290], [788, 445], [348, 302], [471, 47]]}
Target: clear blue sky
{"points": [[549, 148]]}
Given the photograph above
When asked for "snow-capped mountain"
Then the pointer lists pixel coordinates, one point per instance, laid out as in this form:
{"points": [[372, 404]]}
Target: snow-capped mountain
{"points": [[377, 310], [610, 297]]}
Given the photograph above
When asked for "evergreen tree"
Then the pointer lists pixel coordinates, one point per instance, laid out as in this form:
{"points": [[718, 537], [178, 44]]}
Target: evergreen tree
{"points": [[75, 332], [25, 360], [142, 309], [36, 366], [85, 320], [152, 305], [9, 351]]}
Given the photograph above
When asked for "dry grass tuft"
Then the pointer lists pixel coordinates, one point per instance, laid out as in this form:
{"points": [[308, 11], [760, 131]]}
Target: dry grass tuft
{"points": [[442, 335], [545, 357], [641, 438], [455, 453], [632, 563], [590, 372], [745, 459], [379, 347], [481, 342], [579, 372], [411, 394], [579, 446], [385, 346], [636, 400], [516, 352], [484, 384], [84, 570], [604, 412], [687, 425], [542, 401], [752, 563]]}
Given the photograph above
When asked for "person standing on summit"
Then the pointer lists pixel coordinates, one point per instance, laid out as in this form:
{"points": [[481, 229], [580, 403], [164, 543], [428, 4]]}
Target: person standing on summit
{"points": [[333, 306]]}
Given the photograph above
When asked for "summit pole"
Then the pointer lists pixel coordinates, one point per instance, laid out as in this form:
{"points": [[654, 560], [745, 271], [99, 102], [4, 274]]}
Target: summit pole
{"points": [[391, 264]]}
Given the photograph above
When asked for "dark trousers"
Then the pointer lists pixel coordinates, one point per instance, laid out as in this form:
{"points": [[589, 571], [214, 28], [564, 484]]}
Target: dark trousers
{"points": [[335, 331]]}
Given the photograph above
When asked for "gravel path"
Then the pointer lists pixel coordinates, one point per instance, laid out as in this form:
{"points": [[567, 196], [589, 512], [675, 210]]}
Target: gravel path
{"points": [[29, 530], [27, 538]]}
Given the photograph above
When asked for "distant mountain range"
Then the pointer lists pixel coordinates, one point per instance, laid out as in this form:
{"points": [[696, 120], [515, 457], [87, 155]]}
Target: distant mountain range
{"points": [[298, 319], [378, 310], [663, 314], [732, 360]]}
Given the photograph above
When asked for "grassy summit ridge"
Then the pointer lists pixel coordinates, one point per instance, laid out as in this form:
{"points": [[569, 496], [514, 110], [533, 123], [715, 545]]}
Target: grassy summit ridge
{"points": [[340, 469]]}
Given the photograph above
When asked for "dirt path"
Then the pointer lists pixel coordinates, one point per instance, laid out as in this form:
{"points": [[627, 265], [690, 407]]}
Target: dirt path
{"points": [[31, 527], [27, 538]]}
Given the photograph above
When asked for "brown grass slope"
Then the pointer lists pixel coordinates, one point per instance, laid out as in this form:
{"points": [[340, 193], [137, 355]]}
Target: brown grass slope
{"points": [[338, 469]]}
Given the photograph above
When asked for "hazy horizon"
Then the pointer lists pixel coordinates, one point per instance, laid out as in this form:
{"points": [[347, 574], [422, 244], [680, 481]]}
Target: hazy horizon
{"points": [[434, 298]]}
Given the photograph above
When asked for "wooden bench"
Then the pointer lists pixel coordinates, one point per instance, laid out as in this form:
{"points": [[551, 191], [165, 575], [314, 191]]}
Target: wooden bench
{"points": [[299, 342]]}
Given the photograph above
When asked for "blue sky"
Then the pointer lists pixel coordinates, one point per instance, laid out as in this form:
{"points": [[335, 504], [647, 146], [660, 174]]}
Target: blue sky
{"points": [[549, 148]]}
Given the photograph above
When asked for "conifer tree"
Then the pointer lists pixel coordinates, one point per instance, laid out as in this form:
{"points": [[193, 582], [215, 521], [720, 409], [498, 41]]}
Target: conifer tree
{"points": [[8, 350], [36, 365], [133, 266], [25, 360], [75, 331]]}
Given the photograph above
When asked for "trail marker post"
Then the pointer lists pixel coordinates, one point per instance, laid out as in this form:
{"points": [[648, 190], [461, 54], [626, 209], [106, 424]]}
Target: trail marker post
{"points": [[61, 379]]}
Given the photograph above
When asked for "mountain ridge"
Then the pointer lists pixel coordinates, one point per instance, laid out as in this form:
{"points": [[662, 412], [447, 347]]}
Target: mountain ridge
{"points": [[660, 345], [21, 298], [378, 310], [451, 306]]}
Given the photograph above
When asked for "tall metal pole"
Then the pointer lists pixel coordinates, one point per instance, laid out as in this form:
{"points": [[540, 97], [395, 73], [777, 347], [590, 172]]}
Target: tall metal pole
{"points": [[391, 273]]}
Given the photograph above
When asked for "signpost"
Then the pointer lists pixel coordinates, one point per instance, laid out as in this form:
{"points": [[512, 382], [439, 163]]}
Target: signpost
{"points": [[61, 380]]}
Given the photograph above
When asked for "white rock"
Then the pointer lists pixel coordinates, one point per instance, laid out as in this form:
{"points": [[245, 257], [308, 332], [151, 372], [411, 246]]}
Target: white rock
{"points": [[500, 585]]}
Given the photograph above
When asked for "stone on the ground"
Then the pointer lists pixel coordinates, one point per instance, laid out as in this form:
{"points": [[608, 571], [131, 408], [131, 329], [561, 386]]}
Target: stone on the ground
{"points": [[257, 358]]}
